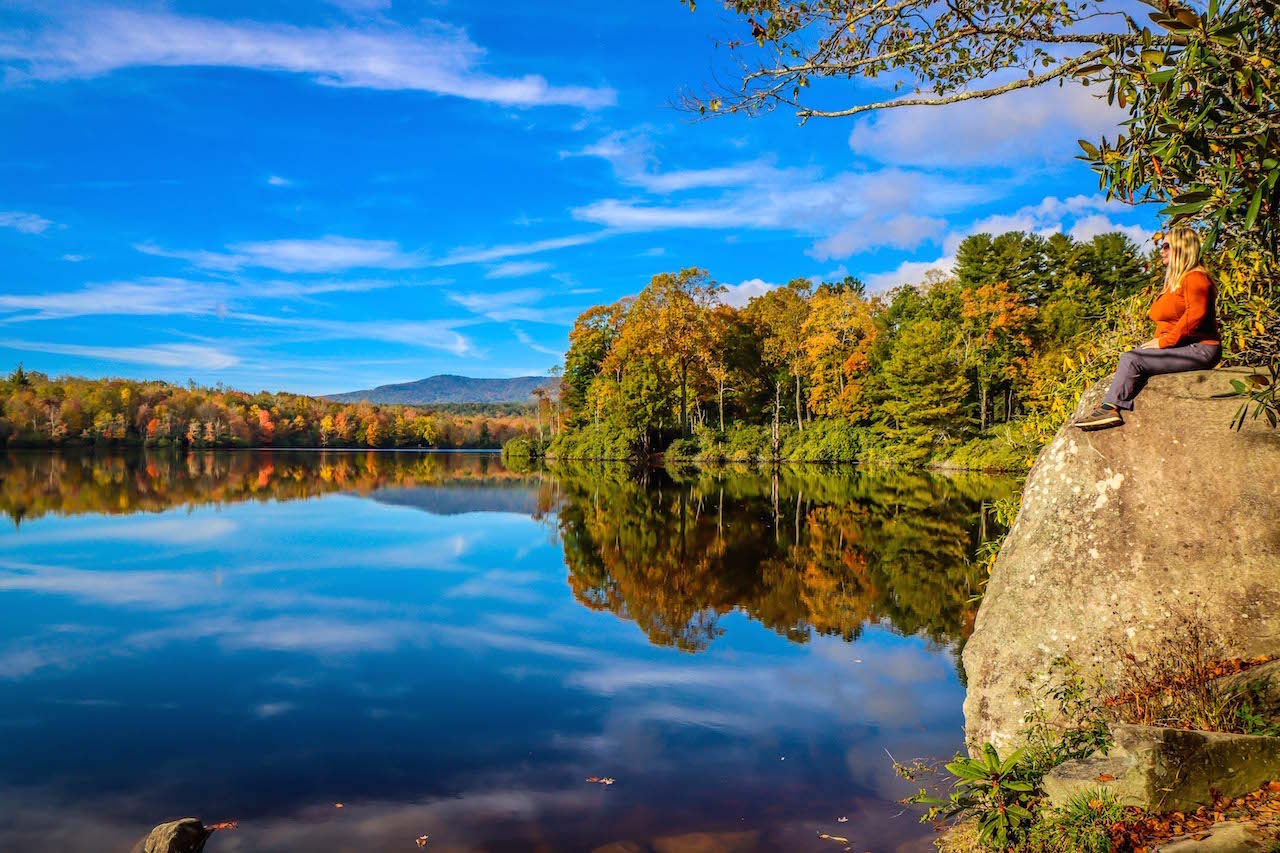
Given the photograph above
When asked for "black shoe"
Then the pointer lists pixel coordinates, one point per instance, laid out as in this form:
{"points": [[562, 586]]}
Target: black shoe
{"points": [[1103, 417]]}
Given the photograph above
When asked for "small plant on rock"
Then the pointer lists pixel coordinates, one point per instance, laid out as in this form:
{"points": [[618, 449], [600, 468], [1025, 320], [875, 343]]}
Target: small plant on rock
{"points": [[996, 792]]}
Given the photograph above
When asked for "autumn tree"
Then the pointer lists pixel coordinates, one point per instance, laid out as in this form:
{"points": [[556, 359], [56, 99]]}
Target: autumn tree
{"points": [[994, 339], [837, 336], [779, 316], [668, 321]]}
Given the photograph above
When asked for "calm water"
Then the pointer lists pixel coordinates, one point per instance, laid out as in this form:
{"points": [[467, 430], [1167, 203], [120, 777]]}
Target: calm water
{"points": [[449, 648]]}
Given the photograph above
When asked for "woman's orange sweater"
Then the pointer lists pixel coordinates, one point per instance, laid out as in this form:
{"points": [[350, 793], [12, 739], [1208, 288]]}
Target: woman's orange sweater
{"points": [[1186, 316]]}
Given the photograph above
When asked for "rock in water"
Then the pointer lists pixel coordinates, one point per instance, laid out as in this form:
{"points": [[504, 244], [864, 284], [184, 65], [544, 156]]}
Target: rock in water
{"points": [[1121, 529], [187, 835]]}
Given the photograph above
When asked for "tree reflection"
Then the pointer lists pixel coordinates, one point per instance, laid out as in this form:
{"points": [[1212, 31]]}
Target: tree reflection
{"points": [[802, 550], [36, 484]]}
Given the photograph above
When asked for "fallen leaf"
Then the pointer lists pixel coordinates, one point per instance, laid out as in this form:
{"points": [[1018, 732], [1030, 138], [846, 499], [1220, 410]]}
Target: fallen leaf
{"points": [[1273, 786], [422, 841], [1106, 777], [842, 820], [226, 824], [608, 780], [593, 779], [337, 805]]}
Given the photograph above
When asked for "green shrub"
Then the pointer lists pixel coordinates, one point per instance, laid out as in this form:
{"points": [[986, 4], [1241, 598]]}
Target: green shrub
{"points": [[825, 441], [998, 450], [684, 450], [598, 443], [747, 443], [522, 448]]}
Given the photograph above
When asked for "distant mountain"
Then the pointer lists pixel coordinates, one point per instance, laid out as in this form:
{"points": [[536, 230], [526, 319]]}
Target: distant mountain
{"points": [[449, 389]]}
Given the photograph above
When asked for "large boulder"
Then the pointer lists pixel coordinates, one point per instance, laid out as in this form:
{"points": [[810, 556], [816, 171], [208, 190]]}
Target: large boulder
{"points": [[1122, 530]]}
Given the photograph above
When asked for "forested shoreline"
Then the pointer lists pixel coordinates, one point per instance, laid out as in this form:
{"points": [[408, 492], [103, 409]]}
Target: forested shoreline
{"points": [[39, 411], [973, 370]]}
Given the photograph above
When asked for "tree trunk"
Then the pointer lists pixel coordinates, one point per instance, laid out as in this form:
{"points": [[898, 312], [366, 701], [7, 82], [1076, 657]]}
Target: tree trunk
{"points": [[799, 416], [777, 413], [982, 405], [684, 415], [721, 407]]}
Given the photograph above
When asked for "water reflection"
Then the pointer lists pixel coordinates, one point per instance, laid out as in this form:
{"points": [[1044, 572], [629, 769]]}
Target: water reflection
{"points": [[260, 635], [803, 550]]}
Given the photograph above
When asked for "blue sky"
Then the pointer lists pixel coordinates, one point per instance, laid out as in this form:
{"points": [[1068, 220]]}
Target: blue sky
{"points": [[318, 197]]}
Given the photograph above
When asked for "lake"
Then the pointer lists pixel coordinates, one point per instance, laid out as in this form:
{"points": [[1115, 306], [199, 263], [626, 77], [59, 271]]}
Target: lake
{"points": [[450, 648]]}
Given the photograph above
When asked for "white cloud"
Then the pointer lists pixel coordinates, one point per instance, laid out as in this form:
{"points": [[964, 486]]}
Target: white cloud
{"points": [[632, 156], [907, 272], [523, 337], [277, 181], [738, 295], [195, 356], [487, 254], [516, 269], [512, 306], [177, 296], [905, 231], [1087, 228], [161, 296], [1087, 215], [850, 212], [27, 223], [434, 57], [427, 334], [326, 254], [74, 259], [1030, 126]]}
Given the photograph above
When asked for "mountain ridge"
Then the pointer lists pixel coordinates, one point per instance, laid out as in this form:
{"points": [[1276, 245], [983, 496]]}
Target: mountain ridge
{"points": [[448, 388]]}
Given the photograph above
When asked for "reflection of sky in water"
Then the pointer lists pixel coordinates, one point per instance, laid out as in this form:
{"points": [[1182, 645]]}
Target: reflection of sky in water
{"points": [[261, 661]]}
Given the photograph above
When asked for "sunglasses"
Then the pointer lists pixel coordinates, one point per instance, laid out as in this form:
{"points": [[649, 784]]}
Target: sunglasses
{"points": [[1164, 247]]}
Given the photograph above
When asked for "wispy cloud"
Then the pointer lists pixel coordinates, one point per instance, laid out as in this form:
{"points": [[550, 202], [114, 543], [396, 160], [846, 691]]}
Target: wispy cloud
{"points": [[27, 223], [333, 253], [277, 181], [489, 254], [161, 296], [427, 334], [516, 269], [634, 162], [194, 356], [434, 57], [325, 254], [178, 296], [512, 305], [850, 212], [523, 337]]}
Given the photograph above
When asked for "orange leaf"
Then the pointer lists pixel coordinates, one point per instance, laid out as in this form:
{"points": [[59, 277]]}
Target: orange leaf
{"points": [[1106, 777]]}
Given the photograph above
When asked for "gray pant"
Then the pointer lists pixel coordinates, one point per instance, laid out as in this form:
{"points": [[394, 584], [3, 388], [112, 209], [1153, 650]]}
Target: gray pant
{"points": [[1136, 365]]}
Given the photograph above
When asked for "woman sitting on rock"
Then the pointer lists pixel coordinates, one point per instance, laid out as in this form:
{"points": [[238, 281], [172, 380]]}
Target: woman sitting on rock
{"points": [[1186, 331]]}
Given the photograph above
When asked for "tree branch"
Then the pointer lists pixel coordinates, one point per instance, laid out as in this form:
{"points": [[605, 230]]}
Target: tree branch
{"points": [[975, 94]]}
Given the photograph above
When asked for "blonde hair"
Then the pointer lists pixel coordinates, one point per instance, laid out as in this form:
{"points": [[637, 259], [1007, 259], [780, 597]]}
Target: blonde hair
{"points": [[1184, 255]]}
